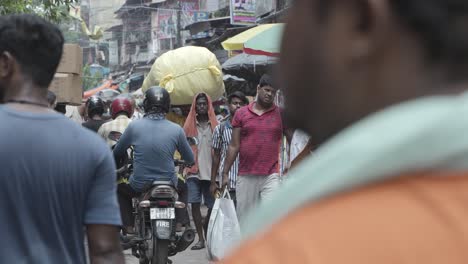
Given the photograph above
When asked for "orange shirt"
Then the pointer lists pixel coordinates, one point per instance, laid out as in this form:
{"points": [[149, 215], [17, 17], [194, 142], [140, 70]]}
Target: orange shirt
{"points": [[416, 219]]}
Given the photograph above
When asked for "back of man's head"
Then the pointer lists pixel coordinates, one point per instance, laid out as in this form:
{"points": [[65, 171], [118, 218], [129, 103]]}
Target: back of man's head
{"points": [[35, 44]]}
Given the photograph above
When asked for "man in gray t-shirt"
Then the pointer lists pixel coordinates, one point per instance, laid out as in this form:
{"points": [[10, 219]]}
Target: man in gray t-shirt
{"points": [[56, 177]]}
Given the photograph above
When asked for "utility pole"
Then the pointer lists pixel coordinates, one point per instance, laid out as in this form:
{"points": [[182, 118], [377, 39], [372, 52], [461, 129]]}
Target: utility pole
{"points": [[179, 24]]}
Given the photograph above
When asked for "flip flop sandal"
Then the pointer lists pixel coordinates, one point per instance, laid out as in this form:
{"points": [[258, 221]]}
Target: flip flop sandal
{"points": [[200, 245]]}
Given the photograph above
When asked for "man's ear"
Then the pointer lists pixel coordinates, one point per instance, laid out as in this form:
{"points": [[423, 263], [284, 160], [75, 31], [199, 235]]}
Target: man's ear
{"points": [[370, 24], [6, 65]]}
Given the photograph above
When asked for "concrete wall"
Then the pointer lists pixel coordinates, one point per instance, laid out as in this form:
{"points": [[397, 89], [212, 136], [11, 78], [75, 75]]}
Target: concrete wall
{"points": [[102, 13]]}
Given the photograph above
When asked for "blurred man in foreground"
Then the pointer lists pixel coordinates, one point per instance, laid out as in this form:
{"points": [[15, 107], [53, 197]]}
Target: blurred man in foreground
{"points": [[56, 176], [380, 82]]}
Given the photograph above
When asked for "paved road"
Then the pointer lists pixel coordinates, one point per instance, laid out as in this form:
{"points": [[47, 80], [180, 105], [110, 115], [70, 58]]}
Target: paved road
{"points": [[186, 257]]}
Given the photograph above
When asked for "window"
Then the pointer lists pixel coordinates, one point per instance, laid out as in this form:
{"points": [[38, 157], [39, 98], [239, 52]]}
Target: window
{"points": [[144, 48], [166, 44]]}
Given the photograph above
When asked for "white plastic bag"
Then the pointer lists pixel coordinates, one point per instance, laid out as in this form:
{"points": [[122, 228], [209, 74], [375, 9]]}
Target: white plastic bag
{"points": [[223, 229]]}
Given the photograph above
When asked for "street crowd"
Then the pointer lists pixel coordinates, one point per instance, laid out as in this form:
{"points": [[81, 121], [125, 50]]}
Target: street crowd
{"points": [[240, 151], [379, 85]]}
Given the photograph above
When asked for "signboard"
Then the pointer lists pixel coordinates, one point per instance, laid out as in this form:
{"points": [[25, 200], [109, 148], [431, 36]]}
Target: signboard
{"points": [[167, 18], [243, 12], [200, 16], [167, 24]]}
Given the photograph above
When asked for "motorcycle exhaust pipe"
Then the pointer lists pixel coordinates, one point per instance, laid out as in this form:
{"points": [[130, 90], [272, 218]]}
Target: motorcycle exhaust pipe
{"points": [[185, 240]]}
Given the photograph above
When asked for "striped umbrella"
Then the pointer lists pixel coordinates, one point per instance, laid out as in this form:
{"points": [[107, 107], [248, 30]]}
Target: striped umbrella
{"points": [[260, 40], [267, 42]]}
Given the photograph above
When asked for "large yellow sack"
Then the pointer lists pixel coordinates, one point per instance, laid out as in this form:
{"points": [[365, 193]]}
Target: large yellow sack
{"points": [[185, 72]]}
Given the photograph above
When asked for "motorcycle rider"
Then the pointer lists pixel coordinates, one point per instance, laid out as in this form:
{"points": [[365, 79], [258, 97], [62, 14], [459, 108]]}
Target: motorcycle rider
{"points": [[155, 141], [121, 112], [95, 109]]}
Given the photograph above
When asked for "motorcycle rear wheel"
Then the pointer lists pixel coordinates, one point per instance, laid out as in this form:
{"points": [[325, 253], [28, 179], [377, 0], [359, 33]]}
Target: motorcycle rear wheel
{"points": [[160, 251]]}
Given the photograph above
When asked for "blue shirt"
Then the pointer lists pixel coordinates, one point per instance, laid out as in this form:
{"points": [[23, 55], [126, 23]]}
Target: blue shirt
{"points": [[55, 177], [154, 142]]}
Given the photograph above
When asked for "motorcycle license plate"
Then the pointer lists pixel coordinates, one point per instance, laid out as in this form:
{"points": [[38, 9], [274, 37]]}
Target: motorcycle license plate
{"points": [[162, 213]]}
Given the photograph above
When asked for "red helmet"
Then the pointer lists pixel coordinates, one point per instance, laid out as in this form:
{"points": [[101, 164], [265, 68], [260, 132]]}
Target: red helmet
{"points": [[122, 104]]}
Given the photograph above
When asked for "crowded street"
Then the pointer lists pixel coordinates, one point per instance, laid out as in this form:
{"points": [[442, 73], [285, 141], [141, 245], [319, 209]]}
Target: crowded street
{"points": [[234, 131]]}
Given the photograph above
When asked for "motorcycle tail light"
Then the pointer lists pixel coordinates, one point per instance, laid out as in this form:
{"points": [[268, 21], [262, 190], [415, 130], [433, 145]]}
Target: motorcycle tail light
{"points": [[163, 191], [163, 203]]}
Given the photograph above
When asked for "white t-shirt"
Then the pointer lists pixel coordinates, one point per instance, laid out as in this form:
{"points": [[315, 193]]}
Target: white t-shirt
{"points": [[205, 137], [73, 113]]}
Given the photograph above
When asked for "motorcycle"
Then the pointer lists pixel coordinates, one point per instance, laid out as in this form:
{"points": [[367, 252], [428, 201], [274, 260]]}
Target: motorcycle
{"points": [[155, 236]]}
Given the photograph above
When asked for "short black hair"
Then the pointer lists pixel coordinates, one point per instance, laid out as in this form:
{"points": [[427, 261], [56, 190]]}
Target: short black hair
{"points": [[441, 26], [35, 44], [266, 80], [240, 95], [51, 97], [201, 95], [61, 108]]}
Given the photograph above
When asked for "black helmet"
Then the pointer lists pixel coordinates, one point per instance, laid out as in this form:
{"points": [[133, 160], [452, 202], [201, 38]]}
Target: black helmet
{"points": [[157, 99], [95, 106]]}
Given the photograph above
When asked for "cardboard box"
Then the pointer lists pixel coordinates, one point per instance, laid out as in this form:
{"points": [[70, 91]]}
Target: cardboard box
{"points": [[68, 88], [72, 59]]}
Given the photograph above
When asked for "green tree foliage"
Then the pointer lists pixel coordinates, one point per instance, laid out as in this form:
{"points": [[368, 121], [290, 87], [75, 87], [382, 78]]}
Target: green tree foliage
{"points": [[53, 10], [71, 30], [91, 81]]}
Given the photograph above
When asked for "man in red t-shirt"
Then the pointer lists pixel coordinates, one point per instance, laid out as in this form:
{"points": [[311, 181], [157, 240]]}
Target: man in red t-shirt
{"points": [[256, 137]]}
